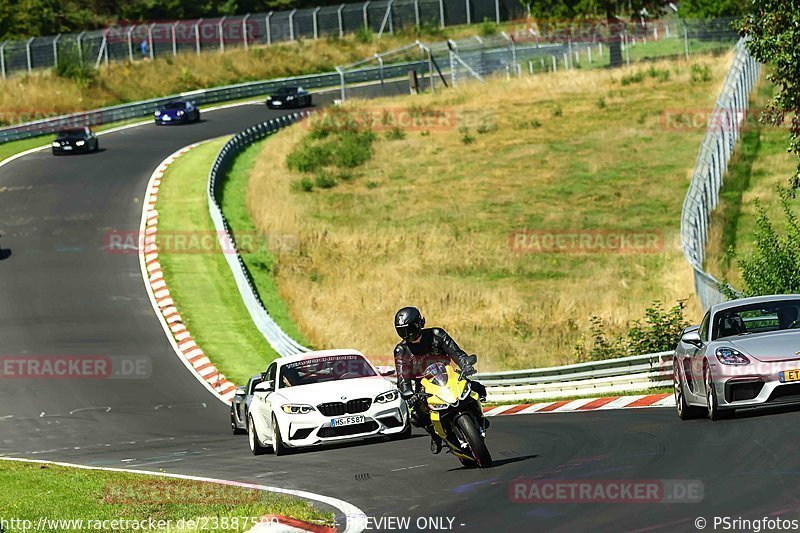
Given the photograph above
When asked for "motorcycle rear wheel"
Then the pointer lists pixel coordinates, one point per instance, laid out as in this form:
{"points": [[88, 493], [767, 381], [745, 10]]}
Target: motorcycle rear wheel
{"points": [[483, 459]]}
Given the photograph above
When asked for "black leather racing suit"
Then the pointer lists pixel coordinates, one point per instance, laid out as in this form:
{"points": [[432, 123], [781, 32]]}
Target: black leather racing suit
{"points": [[412, 358]]}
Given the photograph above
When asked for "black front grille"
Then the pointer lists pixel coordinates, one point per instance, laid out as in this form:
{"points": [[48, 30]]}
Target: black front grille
{"points": [[785, 393], [302, 433], [332, 408], [340, 408], [343, 431], [391, 421]]}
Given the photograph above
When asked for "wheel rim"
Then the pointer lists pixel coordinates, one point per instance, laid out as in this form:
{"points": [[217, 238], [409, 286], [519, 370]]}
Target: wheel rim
{"points": [[251, 435], [678, 392], [710, 395]]}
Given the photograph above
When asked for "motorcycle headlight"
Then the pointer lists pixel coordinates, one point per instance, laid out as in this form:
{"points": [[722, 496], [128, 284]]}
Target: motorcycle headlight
{"points": [[80, 143], [466, 392], [387, 397], [441, 406], [730, 356], [297, 409]]}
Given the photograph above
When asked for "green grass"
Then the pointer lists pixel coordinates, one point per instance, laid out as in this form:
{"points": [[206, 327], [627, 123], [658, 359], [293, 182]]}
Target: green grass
{"points": [[259, 261], [31, 491], [201, 283], [556, 397]]}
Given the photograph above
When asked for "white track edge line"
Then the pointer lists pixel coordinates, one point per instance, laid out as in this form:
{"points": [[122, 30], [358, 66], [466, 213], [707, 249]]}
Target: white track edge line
{"points": [[356, 519]]}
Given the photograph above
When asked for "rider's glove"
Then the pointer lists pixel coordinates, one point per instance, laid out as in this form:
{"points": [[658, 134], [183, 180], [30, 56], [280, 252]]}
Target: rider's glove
{"points": [[468, 370], [415, 398]]}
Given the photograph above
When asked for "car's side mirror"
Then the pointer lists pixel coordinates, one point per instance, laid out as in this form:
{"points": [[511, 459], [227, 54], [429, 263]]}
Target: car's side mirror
{"points": [[693, 338], [264, 386], [386, 371], [240, 391]]}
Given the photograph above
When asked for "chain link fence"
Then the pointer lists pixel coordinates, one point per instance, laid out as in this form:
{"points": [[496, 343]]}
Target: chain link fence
{"points": [[723, 131]]}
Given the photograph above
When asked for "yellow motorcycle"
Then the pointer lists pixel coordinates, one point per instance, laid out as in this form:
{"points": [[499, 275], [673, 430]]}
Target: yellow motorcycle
{"points": [[456, 414]]}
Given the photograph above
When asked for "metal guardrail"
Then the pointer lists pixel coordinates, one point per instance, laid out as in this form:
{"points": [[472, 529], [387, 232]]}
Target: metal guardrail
{"points": [[718, 145], [204, 96], [637, 372], [280, 341]]}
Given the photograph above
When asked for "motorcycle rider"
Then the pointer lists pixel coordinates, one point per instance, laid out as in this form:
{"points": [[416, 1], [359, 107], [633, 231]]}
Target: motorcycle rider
{"points": [[420, 348]]}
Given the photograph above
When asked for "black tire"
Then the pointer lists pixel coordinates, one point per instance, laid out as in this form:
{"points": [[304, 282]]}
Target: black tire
{"points": [[252, 438], [234, 428], [277, 443], [712, 406], [96, 145], [684, 410], [480, 452], [197, 117]]}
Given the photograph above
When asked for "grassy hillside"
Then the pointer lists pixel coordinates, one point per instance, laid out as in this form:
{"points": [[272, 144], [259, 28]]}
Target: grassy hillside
{"points": [[427, 220]]}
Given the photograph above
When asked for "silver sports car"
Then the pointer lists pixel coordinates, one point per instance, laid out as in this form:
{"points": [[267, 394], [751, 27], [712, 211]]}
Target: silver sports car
{"points": [[240, 405], [745, 353]]}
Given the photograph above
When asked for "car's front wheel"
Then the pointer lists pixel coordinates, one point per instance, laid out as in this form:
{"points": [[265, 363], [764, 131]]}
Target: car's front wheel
{"points": [[684, 410], [712, 405], [252, 438], [277, 443]]}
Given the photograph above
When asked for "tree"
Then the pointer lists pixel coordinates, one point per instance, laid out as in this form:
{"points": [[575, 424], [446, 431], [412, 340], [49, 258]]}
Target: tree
{"points": [[773, 29], [709, 9]]}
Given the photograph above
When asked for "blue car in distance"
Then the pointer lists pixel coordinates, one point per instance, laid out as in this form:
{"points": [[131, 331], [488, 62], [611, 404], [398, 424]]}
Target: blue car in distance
{"points": [[177, 112]]}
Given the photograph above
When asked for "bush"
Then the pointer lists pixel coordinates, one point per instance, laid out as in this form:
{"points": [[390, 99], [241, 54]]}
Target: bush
{"points": [[628, 79], [487, 127], [601, 103], [488, 28], [364, 35], [700, 73], [466, 138], [353, 149], [557, 112], [325, 181], [70, 66], [658, 332], [302, 185], [773, 267], [309, 157], [661, 75], [395, 134]]}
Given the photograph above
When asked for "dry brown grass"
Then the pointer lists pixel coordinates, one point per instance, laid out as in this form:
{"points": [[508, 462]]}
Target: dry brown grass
{"points": [[427, 220]]}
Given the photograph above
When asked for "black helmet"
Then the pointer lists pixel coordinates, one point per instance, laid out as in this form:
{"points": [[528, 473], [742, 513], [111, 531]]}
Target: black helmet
{"points": [[409, 323]]}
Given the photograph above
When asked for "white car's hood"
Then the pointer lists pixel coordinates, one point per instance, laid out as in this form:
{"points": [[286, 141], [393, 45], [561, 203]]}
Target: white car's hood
{"points": [[333, 391]]}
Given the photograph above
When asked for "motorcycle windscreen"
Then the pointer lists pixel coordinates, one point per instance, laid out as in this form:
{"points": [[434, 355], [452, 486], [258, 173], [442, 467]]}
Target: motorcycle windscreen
{"points": [[437, 374]]}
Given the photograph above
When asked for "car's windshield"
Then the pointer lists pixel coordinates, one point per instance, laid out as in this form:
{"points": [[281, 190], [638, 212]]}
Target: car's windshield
{"points": [[322, 369], [70, 134], [756, 318], [175, 105], [283, 91]]}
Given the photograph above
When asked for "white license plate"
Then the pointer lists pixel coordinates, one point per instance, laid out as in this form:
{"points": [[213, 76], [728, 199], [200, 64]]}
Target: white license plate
{"points": [[347, 421], [166, 119], [67, 147], [277, 103]]}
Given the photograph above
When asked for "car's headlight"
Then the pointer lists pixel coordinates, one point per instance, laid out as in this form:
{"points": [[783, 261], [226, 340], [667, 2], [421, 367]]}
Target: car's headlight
{"points": [[466, 392], [388, 396], [80, 143], [55, 144], [730, 356], [157, 113], [297, 409], [180, 113], [290, 97]]}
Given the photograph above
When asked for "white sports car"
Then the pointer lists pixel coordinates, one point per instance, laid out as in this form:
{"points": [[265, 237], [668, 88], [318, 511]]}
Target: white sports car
{"points": [[323, 397]]}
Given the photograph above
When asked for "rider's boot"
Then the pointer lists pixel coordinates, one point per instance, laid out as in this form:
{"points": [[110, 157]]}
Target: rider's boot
{"points": [[436, 440]]}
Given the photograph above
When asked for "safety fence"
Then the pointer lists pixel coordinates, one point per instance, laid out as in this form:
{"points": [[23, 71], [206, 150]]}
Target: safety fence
{"points": [[141, 41], [280, 341], [718, 145], [625, 374]]}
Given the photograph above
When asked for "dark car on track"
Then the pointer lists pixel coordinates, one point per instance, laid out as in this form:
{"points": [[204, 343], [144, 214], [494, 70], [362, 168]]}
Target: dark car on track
{"points": [[74, 140], [177, 112], [240, 405], [289, 97]]}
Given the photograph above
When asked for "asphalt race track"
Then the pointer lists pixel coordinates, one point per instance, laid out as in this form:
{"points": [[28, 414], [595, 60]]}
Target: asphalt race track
{"points": [[62, 293]]}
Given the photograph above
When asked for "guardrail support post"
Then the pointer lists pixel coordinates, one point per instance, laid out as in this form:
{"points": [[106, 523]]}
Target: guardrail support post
{"points": [[416, 12], [175, 38], [222, 34], [497, 11], [80, 46], [150, 40], [316, 22], [3, 58], [685, 40], [130, 42], [55, 50], [441, 13], [269, 31], [245, 37], [291, 24], [365, 15], [339, 17], [341, 81], [197, 35], [468, 9]]}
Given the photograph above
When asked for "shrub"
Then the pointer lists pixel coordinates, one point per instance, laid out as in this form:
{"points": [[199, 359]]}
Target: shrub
{"points": [[324, 181], [466, 138], [601, 103], [395, 134], [302, 185], [487, 127], [661, 75], [364, 35], [700, 73], [628, 79], [352, 149], [309, 157], [488, 27], [70, 66], [557, 112]]}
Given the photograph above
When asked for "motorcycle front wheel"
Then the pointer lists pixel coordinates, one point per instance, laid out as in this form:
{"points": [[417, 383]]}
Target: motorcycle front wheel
{"points": [[483, 459]]}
